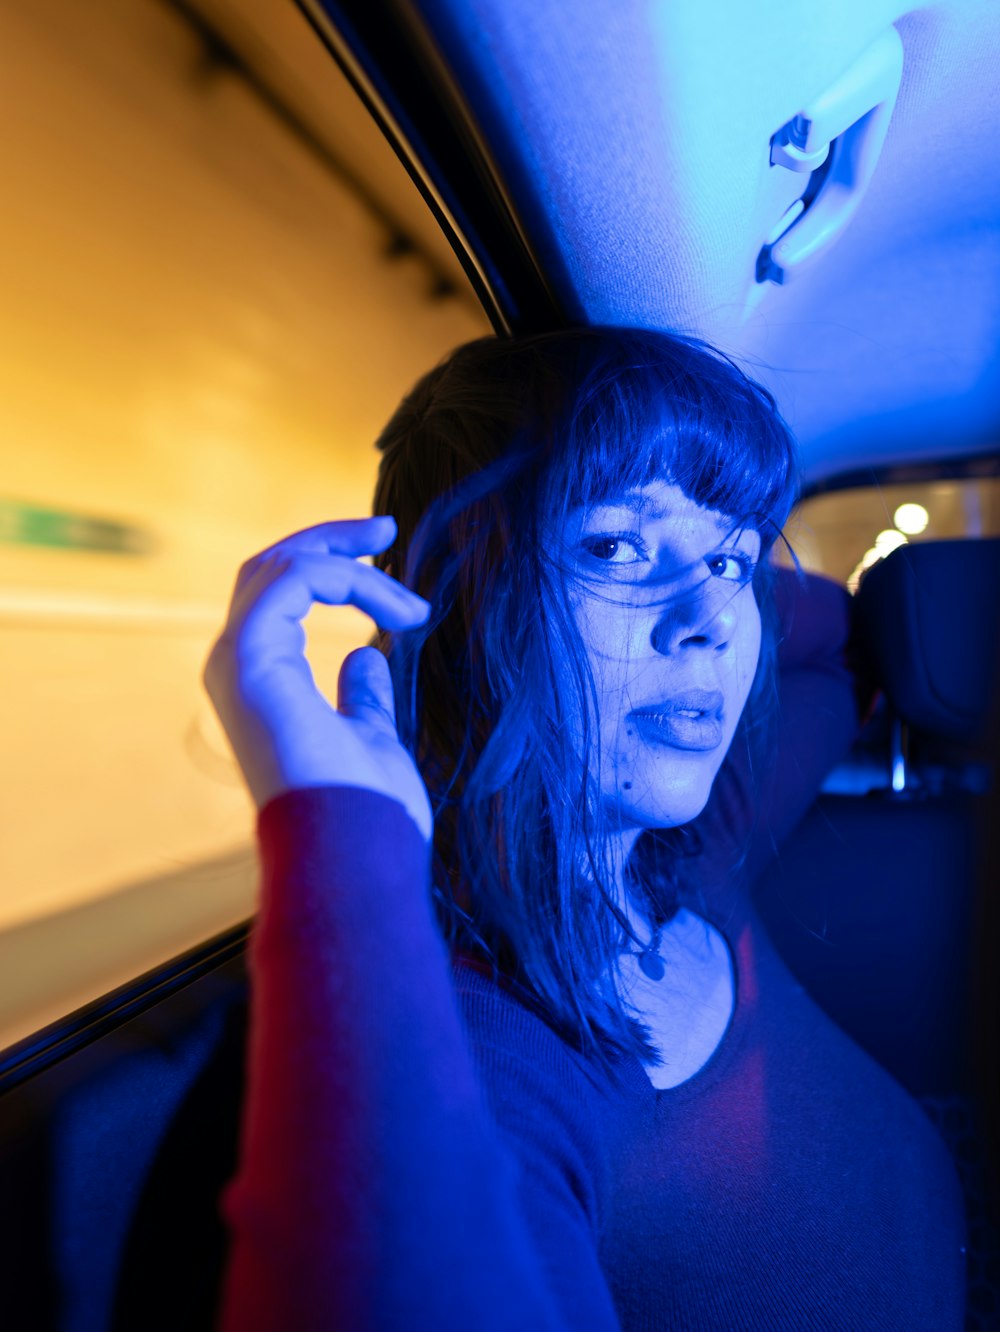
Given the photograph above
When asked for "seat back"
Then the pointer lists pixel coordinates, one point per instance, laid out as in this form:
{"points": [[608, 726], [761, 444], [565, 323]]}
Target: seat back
{"points": [[877, 901]]}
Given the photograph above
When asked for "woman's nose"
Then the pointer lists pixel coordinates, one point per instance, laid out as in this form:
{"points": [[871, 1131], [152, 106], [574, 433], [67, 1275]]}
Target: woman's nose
{"points": [[702, 617]]}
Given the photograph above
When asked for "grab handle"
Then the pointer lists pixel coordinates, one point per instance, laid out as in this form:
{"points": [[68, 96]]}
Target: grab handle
{"points": [[837, 139]]}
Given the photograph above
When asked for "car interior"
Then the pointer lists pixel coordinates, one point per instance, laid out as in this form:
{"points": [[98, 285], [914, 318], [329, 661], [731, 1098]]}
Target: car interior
{"points": [[812, 190]]}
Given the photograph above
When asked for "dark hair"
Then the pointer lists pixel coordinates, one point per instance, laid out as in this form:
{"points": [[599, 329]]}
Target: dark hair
{"points": [[489, 450]]}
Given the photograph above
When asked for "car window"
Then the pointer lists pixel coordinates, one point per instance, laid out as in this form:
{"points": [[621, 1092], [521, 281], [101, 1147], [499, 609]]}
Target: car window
{"points": [[842, 533], [217, 283]]}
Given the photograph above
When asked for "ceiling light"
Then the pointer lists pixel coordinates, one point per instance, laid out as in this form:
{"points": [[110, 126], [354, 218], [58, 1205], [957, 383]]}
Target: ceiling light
{"points": [[911, 518], [889, 540]]}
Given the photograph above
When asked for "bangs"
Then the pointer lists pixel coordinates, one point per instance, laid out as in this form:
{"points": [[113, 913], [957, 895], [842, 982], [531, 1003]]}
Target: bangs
{"points": [[696, 423]]}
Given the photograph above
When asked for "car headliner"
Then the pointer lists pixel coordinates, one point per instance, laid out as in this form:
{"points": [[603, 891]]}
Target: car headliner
{"points": [[632, 142]]}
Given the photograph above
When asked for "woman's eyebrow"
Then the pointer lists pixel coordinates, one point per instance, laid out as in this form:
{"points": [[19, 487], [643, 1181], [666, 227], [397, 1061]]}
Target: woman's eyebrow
{"points": [[643, 505]]}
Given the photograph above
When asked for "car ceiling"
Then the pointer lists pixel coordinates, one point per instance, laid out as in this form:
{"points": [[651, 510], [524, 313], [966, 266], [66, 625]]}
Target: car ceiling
{"points": [[634, 138], [630, 143]]}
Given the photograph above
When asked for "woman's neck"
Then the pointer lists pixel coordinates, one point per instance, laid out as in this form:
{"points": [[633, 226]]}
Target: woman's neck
{"points": [[620, 846]]}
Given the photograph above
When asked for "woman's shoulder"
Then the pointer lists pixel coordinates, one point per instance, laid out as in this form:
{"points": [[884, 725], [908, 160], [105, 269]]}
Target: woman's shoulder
{"points": [[556, 1108], [508, 1025], [499, 1008]]}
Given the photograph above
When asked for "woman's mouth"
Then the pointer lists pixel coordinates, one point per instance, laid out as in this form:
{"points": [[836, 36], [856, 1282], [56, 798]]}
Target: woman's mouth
{"points": [[691, 721]]}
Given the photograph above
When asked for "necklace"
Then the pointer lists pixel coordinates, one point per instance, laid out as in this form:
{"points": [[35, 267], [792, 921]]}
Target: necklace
{"points": [[651, 963]]}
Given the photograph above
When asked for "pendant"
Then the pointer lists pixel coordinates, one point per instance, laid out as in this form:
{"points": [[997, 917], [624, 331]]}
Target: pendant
{"points": [[652, 965]]}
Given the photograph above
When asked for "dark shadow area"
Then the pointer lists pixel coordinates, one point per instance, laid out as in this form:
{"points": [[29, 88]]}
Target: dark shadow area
{"points": [[27, 1276], [177, 1243], [111, 1165]]}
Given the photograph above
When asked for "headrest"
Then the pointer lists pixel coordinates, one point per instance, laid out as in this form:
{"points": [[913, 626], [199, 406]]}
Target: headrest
{"points": [[929, 614]]}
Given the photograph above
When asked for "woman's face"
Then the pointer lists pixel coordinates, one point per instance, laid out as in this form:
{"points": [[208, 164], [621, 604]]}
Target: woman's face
{"points": [[661, 595]]}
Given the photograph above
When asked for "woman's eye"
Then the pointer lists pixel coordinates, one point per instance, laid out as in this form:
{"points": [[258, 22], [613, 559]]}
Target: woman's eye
{"points": [[613, 549], [732, 565]]}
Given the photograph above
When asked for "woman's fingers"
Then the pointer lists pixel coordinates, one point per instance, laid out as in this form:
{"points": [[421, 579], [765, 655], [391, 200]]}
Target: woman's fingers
{"points": [[348, 536], [364, 689], [352, 537], [284, 733], [267, 610]]}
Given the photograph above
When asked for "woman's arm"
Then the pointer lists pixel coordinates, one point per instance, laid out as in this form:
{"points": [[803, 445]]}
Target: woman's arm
{"points": [[373, 1189]]}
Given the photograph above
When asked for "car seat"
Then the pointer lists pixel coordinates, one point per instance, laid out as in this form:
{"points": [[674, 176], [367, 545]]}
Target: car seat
{"points": [[883, 903]]}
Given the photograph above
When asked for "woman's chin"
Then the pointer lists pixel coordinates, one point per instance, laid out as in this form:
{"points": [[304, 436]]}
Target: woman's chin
{"points": [[664, 809]]}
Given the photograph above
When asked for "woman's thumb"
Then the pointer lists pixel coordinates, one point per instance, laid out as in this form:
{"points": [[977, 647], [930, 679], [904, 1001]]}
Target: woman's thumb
{"points": [[364, 689]]}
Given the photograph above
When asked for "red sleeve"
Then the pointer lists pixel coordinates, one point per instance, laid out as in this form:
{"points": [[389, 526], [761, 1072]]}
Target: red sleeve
{"points": [[372, 1189]]}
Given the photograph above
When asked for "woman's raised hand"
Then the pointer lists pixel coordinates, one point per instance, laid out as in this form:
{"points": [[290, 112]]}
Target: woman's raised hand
{"points": [[284, 733]]}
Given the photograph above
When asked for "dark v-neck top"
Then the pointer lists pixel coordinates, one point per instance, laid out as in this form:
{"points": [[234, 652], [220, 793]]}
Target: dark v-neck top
{"points": [[789, 1184]]}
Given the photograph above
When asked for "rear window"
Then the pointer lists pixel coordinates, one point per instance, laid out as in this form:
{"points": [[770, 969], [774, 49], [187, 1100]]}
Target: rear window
{"points": [[209, 314], [842, 533]]}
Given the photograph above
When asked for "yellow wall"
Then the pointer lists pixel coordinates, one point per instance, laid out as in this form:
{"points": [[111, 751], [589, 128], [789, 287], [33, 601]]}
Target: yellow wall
{"points": [[200, 336]]}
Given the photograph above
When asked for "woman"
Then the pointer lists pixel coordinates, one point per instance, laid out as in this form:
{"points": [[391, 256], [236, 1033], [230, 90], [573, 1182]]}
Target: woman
{"points": [[521, 1054]]}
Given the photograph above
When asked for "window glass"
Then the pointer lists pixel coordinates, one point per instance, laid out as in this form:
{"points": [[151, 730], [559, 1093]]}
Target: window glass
{"points": [[844, 532], [218, 282]]}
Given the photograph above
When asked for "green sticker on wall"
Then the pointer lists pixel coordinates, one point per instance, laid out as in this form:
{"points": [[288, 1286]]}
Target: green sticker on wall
{"points": [[62, 529]]}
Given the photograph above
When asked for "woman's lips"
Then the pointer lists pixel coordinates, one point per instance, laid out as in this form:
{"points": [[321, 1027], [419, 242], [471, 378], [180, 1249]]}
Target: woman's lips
{"points": [[691, 721]]}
